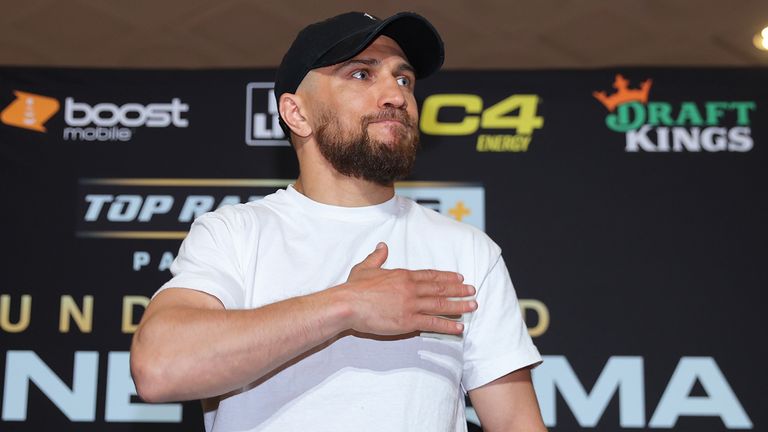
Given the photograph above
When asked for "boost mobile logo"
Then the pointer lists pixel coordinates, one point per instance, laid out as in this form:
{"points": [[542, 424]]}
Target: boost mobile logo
{"points": [[29, 111], [111, 122], [661, 127], [262, 121]]}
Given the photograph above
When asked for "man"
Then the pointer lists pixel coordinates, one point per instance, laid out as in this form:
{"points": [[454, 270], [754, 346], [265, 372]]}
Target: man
{"points": [[334, 304]]}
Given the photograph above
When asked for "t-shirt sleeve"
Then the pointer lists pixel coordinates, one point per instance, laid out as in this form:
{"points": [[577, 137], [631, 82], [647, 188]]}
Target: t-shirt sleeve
{"points": [[496, 340], [207, 261]]}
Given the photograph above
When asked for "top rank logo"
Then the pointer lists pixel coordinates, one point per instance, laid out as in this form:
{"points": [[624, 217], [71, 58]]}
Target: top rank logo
{"points": [[652, 126], [163, 208]]}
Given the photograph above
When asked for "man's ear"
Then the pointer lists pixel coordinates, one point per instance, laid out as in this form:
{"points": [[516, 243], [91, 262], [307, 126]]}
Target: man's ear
{"points": [[291, 110]]}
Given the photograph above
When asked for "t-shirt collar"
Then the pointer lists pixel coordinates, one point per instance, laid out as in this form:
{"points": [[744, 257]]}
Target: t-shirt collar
{"points": [[388, 208]]}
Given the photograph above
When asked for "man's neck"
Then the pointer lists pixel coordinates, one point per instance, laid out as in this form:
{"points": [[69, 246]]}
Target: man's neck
{"points": [[319, 181], [339, 190]]}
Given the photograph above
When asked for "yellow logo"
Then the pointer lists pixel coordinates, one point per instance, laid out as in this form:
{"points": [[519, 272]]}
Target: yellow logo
{"points": [[29, 111], [506, 126], [459, 211]]}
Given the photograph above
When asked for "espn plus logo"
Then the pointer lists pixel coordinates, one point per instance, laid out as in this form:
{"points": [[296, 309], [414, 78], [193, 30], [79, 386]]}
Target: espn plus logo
{"points": [[98, 122], [504, 126]]}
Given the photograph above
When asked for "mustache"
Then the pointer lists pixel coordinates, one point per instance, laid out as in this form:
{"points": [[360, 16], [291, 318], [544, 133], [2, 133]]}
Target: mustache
{"points": [[389, 114]]}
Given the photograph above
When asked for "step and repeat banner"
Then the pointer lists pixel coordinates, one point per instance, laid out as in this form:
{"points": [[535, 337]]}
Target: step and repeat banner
{"points": [[630, 205]]}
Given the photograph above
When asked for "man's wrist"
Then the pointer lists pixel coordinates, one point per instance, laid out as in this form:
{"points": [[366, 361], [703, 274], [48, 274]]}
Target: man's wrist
{"points": [[339, 314]]}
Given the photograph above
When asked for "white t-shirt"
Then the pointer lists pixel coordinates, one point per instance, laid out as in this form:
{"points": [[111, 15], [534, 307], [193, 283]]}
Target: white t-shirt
{"points": [[286, 245]]}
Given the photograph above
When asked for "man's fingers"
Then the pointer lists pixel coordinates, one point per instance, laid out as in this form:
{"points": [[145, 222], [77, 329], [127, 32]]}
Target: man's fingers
{"points": [[436, 276], [446, 306], [444, 289], [440, 325]]}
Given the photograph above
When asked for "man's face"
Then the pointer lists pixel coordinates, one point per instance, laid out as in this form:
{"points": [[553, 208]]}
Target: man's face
{"points": [[364, 113]]}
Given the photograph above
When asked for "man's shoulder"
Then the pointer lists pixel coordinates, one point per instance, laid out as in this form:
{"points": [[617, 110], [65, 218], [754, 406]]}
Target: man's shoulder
{"points": [[244, 215]]}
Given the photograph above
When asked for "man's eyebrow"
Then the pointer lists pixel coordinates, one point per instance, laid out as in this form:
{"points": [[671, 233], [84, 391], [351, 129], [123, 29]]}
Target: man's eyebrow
{"points": [[406, 67], [365, 61], [372, 62]]}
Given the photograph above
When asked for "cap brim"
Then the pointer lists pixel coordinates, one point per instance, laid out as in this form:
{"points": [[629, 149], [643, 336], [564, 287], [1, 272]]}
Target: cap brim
{"points": [[417, 38]]}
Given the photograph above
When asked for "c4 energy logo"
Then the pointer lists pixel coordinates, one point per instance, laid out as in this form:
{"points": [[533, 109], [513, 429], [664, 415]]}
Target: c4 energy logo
{"points": [[29, 111], [505, 126], [147, 208], [651, 126], [262, 121]]}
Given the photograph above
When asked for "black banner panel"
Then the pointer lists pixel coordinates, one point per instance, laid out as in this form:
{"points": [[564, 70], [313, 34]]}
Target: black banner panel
{"points": [[629, 204]]}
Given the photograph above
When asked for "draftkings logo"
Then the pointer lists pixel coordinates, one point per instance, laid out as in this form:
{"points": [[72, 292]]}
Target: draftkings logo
{"points": [[157, 208], [651, 126], [505, 126], [262, 120]]}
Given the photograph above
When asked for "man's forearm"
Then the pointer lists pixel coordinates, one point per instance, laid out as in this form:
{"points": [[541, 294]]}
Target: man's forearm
{"points": [[188, 347], [183, 353], [508, 404]]}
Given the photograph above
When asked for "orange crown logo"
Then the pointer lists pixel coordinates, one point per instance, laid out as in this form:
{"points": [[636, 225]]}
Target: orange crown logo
{"points": [[623, 93], [29, 111]]}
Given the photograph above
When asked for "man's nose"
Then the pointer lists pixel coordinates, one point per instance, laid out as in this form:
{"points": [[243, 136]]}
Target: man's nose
{"points": [[392, 94]]}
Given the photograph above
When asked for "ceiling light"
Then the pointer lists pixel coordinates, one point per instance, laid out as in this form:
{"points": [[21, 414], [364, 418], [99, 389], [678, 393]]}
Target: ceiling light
{"points": [[761, 40]]}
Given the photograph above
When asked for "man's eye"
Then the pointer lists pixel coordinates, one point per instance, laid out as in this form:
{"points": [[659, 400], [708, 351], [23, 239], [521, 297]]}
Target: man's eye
{"points": [[404, 81], [361, 74]]}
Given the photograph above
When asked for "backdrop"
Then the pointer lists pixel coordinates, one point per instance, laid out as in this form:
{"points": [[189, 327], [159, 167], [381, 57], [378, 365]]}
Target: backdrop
{"points": [[629, 203]]}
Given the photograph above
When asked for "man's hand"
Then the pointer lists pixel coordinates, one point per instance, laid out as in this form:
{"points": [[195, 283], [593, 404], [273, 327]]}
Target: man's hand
{"points": [[393, 302]]}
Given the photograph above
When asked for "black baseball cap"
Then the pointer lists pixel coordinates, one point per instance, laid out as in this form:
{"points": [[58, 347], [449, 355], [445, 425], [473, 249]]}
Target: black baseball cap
{"points": [[340, 38]]}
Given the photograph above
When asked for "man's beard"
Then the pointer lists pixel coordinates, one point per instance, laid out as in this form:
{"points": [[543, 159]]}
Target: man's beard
{"points": [[355, 154]]}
